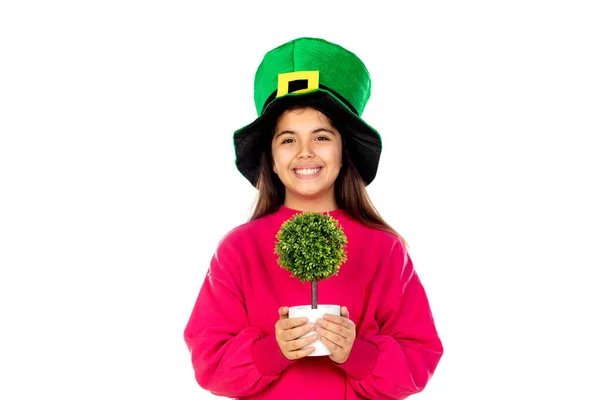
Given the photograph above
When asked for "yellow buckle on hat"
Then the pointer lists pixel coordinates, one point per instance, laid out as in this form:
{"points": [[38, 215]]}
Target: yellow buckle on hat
{"points": [[304, 80]]}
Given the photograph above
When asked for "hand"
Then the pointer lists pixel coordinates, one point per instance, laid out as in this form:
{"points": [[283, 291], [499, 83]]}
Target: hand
{"points": [[338, 334], [287, 332]]}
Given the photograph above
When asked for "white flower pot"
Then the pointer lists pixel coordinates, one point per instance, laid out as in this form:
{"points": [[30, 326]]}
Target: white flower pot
{"points": [[312, 315]]}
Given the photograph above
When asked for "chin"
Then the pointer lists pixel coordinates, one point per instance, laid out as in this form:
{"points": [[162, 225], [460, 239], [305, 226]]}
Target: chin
{"points": [[308, 190], [311, 193]]}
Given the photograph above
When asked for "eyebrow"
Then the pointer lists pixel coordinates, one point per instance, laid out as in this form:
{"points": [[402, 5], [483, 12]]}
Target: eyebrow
{"points": [[318, 130]]}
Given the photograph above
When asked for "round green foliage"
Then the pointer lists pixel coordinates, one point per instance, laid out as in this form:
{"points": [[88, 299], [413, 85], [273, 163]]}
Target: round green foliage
{"points": [[311, 246]]}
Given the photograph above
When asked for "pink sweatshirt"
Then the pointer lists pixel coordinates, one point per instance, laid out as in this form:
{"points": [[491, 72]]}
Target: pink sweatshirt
{"points": [[231, 330]]}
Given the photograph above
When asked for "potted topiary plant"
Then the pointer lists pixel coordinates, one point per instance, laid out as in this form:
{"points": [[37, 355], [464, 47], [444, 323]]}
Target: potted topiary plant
{"points": [[312, 247]]}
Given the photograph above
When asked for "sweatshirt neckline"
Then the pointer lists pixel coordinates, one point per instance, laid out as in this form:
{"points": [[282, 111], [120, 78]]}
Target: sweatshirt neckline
{"points": [[290, 212]]}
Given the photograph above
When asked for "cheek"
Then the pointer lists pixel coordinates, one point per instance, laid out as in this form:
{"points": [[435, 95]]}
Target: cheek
{"points": [[278, 161], [273, 158], [336, 157], [283, 156]]}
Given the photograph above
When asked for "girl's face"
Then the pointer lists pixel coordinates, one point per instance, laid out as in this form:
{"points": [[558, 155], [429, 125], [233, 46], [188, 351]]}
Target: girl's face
{"points": [[307, 157]]}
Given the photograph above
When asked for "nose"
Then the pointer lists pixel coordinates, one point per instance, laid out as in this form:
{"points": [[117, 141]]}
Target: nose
{"points": [[305, 149]]}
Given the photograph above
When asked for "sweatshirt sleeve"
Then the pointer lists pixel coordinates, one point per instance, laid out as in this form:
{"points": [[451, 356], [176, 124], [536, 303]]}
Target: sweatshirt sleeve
{"points": [[230, 358], [399, 360]]}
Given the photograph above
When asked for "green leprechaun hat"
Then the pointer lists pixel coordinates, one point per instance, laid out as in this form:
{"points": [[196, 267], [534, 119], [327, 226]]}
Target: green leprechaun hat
{"points": [[319, 74]]}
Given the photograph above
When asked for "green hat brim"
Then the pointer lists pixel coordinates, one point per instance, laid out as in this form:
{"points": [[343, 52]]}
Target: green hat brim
{"points": [[362, 141]]}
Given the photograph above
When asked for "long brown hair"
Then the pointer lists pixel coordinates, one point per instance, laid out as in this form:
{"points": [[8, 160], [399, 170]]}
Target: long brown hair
{"points": [[350, 191]]}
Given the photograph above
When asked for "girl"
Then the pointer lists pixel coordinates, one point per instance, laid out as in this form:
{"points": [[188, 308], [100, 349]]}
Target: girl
{"points": [[309, 150]]}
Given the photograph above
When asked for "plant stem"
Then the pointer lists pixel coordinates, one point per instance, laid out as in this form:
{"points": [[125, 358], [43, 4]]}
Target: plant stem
{"points": [[314, 289]]}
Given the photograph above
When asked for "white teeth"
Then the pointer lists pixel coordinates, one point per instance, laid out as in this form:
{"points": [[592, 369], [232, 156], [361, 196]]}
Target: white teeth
{"points": [[307, 171]]}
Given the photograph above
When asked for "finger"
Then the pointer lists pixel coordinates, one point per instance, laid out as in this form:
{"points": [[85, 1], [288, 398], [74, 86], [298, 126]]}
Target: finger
{"points": [[295, 333], [338, 320], [302, 353], [295, 345], [300, 343], [333, 348], [336, 328], [290, 323], [344, 312], [331, 336], [331, 345], [283, 312]]}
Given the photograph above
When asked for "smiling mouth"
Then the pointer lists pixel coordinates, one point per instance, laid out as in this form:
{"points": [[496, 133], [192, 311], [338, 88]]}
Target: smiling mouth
{"points": [[306, 172]]}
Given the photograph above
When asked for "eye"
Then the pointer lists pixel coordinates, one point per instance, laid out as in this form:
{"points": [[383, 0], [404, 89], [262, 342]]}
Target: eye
{"points": [[322, 138], [288, 140]]}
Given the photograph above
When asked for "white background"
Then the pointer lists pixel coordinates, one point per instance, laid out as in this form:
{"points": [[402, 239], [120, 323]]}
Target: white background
{"points": [[117, 180]]}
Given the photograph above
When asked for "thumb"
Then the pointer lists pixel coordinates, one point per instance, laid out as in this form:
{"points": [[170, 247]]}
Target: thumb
{"points": [[344, 312], [283, 312]]}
